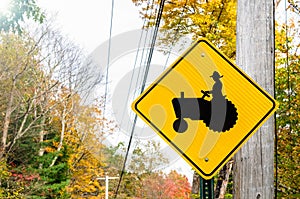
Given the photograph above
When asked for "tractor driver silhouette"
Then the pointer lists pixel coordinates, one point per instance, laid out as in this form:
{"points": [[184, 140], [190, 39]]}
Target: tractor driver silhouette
{"points": [[217, 87], [218, 103]]}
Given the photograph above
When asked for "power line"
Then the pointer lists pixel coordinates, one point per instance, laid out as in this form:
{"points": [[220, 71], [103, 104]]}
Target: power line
{"points": [[145, 52], [171, 46], [153, 43], [131, 79], [108, 55], [175, 36], [158, 19], [136, 58]]}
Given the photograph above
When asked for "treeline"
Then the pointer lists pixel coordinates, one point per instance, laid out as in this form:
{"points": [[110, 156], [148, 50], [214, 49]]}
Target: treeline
{"points": [[51, 138], [44, 125]]}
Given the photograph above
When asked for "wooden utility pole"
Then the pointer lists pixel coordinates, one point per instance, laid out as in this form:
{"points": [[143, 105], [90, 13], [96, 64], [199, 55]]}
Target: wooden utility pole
{"points": [[254, 163]]}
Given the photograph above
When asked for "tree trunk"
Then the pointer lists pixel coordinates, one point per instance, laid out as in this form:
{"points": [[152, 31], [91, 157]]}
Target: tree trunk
{"points": [[6, 122], [62, 135], [41, 140], [254, 167], [196, 184], [223, 179], [226, 180]]}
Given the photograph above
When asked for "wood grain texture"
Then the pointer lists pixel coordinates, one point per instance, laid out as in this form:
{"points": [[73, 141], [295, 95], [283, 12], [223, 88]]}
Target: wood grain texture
{"points": [[254, 163]]}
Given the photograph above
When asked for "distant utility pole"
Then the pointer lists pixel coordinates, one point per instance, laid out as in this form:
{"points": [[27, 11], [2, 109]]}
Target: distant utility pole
{"points": [[254, 163], [107, 178]]}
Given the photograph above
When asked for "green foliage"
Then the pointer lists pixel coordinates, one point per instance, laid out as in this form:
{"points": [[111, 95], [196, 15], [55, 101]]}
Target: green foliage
{"points": [[147, 158], [287, 83], [20, 10], [39, 158], [228, 196], [113, 158], [40, 182]]}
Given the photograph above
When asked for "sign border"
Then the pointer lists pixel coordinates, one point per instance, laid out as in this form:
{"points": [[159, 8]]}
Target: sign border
{"points": [[154, 84]]}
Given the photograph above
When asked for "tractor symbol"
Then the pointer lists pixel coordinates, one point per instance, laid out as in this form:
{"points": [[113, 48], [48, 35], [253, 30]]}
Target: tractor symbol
{"points": [[219, 114]]}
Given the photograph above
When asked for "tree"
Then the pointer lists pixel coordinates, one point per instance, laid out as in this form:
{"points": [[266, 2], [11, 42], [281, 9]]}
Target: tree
{"points": [[86, 162], [144, 161], [164, 186], [142, 179], [147, 158], [28, 88], [85, 168], [19, 10], [17, 61], [287, 117], [214, 20], [177, 186], [39, 104]]}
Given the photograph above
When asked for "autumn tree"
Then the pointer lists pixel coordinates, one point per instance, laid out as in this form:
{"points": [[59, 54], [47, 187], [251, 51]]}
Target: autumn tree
{"points": [[287, 93], [25, 114], [86, 161], [215, 20], [41, 74], [17, 101], [147, 158], [143, 179], [31, 82], [165, 186], [177, 186]]}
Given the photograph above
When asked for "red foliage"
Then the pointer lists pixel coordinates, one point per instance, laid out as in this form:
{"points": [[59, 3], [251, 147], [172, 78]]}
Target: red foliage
{"points": [[176, 186], [161, 186], [24, 177]]}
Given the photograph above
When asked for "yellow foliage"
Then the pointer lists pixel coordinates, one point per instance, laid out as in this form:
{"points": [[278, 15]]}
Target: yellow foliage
{"points": [[214, 19], [55, 144], [84, 168], [49, 149]]}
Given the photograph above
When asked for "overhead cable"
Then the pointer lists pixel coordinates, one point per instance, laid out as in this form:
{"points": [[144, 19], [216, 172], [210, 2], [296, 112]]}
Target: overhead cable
{"points": [[108, 56], [135, 62], [158, 19]]}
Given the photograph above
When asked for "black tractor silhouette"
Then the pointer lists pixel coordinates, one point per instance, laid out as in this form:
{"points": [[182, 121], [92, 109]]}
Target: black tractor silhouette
{"points": [[218, 114]]}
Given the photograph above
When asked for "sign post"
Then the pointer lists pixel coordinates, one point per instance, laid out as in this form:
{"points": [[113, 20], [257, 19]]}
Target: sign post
{"points": [[206, 188], [204, 107]]}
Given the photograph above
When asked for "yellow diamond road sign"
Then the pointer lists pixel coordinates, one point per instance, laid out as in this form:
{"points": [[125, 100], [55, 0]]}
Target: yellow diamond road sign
{"points": [[204, 107]]}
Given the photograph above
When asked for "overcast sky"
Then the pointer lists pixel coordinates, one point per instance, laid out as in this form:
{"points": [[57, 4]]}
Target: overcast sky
{"points": [[88, 22]]}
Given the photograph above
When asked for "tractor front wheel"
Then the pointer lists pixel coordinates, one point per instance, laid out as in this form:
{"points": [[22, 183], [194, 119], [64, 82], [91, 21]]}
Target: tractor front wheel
{"points": [[180, 125]]}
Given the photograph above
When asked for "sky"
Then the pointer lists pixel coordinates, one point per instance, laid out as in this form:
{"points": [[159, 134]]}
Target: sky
{"points": [[87, 23]]}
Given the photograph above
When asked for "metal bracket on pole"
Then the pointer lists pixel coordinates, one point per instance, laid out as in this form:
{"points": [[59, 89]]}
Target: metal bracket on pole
{"points": [[206, 188]]}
